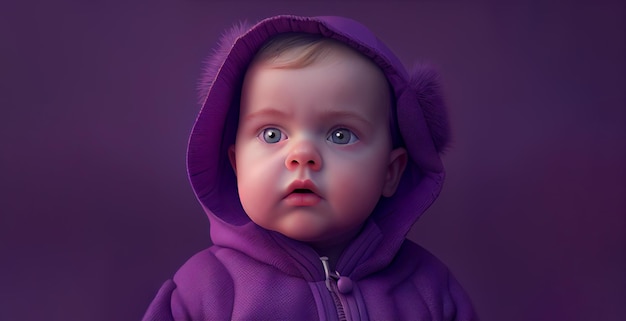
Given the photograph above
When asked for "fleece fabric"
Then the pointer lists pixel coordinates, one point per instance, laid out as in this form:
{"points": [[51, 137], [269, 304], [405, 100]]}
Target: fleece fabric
{"points": [[250, 273]]}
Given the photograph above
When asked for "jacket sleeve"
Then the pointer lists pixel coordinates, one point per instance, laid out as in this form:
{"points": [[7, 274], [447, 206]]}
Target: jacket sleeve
{"points": [[436, 286], [464, 310], [161, 309], [201, 289]]}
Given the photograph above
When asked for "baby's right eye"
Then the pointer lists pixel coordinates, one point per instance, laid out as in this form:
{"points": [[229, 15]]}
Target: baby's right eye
{"points": [[271, 135]]}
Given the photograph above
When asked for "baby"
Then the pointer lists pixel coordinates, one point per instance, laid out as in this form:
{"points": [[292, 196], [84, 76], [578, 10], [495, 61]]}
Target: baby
{"points": [[313, 155]]}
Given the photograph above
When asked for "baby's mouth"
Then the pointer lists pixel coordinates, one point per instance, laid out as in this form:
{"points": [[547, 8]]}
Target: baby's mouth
{"points": [[302, 194], [302, 187]]}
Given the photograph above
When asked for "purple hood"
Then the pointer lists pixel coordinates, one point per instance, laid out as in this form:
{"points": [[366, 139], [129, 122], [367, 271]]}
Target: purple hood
{"points": [[254, 274], [421, 121]]}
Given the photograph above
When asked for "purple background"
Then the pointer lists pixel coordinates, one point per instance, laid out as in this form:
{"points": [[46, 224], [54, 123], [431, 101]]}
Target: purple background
{"points": [[97, 99]]}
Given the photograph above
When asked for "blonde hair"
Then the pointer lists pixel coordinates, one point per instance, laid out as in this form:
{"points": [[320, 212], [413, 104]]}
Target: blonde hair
{"points": [[294, 50]]}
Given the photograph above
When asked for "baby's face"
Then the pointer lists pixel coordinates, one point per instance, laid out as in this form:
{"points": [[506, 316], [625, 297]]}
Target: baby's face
{"points": [[313, 152]]}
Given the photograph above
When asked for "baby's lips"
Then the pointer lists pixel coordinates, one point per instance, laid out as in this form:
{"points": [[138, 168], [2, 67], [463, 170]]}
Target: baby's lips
{"points": [[300, 186], [302, 199]]}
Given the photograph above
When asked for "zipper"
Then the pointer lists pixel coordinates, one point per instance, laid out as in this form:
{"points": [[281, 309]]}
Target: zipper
{"points": [[331, 285]]}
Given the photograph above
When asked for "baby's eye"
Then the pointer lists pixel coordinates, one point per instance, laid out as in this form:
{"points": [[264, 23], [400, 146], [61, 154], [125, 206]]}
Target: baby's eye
{"points": [[342, 136], [271, 135]]}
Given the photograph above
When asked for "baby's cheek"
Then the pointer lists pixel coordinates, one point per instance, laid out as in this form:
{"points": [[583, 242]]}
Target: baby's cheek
{"points": [[354, 196], [259, 181], [249, 195]]}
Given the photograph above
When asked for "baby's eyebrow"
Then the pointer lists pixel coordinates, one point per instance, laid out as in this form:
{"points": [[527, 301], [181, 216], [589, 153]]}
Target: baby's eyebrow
{"points": [[267, 112], [344, 115], [330, 115]]}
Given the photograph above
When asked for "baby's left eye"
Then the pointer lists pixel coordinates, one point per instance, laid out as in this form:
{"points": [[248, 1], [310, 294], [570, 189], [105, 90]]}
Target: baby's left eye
{"points": [[271, 135], [342, 136]]}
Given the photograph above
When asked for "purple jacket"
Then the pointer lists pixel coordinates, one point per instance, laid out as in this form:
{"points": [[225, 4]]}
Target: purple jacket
{"points": [[254, 274]]}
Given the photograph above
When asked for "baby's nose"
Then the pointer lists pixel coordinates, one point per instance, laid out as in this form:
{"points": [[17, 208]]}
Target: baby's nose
{"points": [[304, 154]]}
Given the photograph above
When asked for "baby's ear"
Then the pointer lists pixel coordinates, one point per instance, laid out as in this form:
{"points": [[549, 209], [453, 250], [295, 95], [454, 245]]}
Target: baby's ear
{"points": [[397, 163], [232, 159]]}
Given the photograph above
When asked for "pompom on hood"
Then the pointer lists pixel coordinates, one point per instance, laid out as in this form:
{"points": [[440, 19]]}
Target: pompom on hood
{"points": [[421, 120]]}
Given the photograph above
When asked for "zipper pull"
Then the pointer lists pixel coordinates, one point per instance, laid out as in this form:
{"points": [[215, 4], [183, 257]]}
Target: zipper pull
{"points": [[344, 284], [338, 305], [325, 264]]}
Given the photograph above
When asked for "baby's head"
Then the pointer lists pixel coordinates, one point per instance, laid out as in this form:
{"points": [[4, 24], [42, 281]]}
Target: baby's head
{"points": [[313, 152], [321, 123]]}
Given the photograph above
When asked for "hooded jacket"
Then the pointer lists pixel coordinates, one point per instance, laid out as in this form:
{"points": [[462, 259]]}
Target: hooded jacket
{"points": [[250, 273]]}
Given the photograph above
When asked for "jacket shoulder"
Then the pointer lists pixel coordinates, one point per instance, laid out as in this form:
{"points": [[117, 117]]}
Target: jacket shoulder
{"points": [[202, 268], [430, 275], [202, 289], [420, 257]]}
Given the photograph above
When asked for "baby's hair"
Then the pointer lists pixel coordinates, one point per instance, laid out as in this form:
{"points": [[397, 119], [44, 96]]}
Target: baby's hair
{"points": [[294, 50]]}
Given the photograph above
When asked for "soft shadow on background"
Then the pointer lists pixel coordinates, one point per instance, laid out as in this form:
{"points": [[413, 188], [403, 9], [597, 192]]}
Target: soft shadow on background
{"points": [[97, 100]]}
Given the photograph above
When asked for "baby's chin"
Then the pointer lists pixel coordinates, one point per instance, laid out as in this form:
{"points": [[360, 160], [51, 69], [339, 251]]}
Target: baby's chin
{"points": [[323, 238], [306, 236], [311, 228]]}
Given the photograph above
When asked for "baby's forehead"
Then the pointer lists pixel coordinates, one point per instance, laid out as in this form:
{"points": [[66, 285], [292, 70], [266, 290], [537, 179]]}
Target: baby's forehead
{"points": [[298, 50], [342, 70], [339, 84]]}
